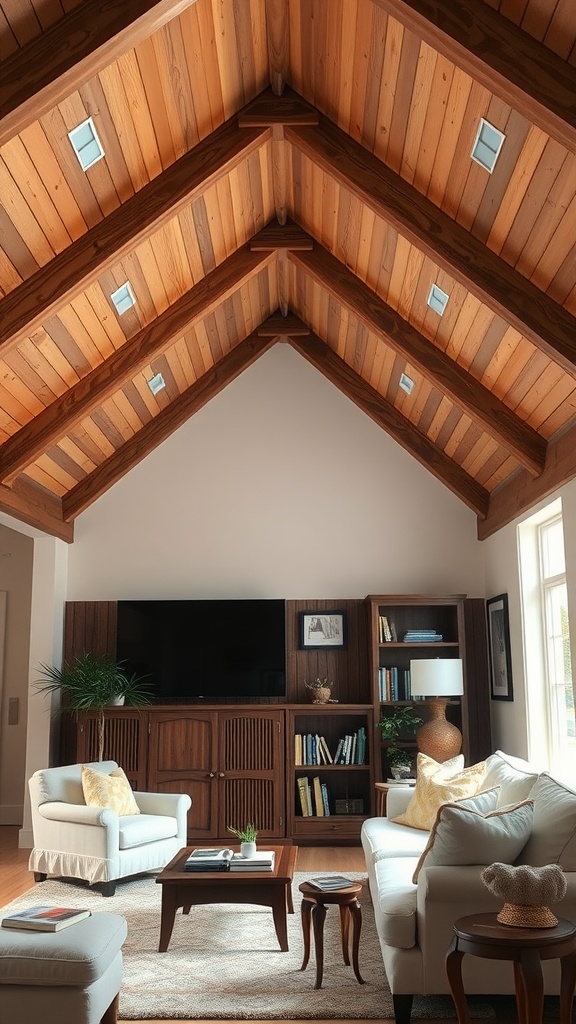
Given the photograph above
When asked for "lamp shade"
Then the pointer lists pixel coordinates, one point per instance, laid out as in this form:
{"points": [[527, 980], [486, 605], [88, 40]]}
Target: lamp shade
{"points": [[436, 677]]}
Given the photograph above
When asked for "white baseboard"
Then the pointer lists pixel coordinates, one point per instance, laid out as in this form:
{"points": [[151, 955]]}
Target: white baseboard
{"points": [[25, 839], [11, 815]]}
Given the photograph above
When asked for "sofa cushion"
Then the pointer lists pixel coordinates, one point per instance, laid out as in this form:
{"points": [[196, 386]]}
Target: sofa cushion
{"points": [[463, 835], [433, 789], [382, 839], [113, 790], [514, 776], [553, 836], [395, 903], [75, 956]]}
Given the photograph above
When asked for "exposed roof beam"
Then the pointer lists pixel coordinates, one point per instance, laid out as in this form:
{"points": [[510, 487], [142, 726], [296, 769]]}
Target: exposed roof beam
{"points": [[278, 39], [386, 416], [502, 57], [74, 269], [511, 499], [72, 51], [278, 326], [442, 372], [267, 110], [30, 503], [88, 394], [545, 323], [160, 428]]}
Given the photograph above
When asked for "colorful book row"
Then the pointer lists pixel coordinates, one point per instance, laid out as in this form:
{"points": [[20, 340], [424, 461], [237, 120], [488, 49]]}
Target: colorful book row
{"points": [[313, 796]]}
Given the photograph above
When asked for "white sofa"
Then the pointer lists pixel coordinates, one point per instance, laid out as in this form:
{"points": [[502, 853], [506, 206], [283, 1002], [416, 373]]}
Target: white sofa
{"points": [[96, 844], [414, 919]]}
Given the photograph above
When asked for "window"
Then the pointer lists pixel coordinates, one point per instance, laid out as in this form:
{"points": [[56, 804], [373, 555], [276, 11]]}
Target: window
{"points": [[549, 684]]}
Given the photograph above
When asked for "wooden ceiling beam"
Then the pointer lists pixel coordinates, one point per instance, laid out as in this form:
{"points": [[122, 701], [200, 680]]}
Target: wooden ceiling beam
{"points": [[159, 429], [79, 401], [32, 504], [268, 109], [549, 326], [442, 372], [278, 326], [351, 384], [278, 39], [81, 263], [71, 52], [522, 492], [501, 56]]}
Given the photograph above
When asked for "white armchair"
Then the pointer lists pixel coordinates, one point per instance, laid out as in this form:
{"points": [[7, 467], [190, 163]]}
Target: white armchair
{"points": [[73, 840]]}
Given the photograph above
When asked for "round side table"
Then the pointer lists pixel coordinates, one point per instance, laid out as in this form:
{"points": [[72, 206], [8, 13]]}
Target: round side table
{"points": [[482, 935], [314, 902]]}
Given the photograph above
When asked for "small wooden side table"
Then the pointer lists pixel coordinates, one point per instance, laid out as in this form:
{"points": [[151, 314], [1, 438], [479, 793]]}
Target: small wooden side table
{"points": [[482, 935], [314, 903]]}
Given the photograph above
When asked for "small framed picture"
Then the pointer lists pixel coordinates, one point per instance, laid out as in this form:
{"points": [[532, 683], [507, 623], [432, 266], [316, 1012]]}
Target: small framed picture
{"points": [[499, 648], [322, 629]]}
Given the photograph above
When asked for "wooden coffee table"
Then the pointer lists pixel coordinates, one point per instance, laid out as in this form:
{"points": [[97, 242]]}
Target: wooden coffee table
{"points": [[192, 888]]}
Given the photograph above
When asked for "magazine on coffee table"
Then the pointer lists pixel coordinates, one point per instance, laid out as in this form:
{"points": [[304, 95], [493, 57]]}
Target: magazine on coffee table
{"points": [[45, 919], [208, 860], [263, 860]]}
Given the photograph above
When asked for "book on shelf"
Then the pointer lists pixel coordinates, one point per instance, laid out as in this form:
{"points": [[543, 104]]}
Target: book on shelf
{"points": [[263, 860], [45, 919], [297, 748], [318, 802], [304, 795], [326, 751], [328, 882], [338, 753], [325, 801], [208, 860]]}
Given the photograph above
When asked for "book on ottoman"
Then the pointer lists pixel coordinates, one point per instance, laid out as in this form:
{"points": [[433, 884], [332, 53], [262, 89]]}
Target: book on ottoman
{"points": [[263, 860], [45, 919]]}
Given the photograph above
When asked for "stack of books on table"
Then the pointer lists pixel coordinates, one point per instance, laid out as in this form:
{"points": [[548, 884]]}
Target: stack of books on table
{"points": [[263, 860], [45, 919], [209, 860], [328, 882]]}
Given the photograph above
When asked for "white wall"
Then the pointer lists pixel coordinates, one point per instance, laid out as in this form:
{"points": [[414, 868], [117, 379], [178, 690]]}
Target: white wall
{"points": [[502, 575], [280, 487]]}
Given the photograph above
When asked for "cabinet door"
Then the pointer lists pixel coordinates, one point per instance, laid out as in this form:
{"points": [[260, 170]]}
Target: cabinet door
{"points": [[251, 771], [183, 758], [125, 741]]}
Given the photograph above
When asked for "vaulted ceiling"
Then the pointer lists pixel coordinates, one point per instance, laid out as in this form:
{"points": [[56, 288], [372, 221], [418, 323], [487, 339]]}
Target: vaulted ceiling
{"points": [[296, 171]]}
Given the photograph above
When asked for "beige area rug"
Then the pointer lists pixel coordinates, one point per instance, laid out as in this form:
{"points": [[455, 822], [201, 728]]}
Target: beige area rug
{"points": [[224, 962]]}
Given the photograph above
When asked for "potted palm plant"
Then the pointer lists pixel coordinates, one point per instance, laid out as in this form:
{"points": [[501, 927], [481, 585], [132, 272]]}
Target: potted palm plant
{"points": [[93, 682]]}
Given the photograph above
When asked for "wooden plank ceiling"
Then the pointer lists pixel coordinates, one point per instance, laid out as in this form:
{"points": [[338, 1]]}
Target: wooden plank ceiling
{"points": [[293, 170]]}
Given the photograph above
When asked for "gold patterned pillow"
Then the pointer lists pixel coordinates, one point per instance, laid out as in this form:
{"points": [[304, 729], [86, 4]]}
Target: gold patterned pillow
{"points": [[433, 789], [111, 790]]}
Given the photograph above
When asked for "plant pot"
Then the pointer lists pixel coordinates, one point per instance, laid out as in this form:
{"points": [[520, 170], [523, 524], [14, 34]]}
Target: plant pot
{"points": [[400, 771], [247, 850], [321, 695]]}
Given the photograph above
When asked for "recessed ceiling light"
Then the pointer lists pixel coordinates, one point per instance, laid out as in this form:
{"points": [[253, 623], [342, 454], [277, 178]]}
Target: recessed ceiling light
{"points": [[487, 145], [406, 383], [86, 144], [437, 299], [156, 383], [123, 298]]}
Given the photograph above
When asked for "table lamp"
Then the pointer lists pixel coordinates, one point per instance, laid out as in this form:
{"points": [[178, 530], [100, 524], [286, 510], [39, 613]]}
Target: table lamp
{"points": [[437, 679]]}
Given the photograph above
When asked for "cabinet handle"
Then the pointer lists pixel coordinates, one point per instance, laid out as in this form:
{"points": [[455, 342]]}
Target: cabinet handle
{"points": [[211, 775], [220, 775], [335, 828]]}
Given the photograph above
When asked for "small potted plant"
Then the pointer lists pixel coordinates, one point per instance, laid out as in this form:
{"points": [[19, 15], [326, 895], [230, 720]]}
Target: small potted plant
{"points": [[247, 837], [320, 690], [401, 724]]}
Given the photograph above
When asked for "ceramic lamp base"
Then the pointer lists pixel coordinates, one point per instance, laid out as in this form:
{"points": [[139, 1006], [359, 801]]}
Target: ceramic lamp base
{"points": [[438, 738]]}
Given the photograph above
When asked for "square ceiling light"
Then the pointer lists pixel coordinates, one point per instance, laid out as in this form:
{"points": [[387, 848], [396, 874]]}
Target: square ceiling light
{"points": [[437, 300], [406, 383], [123, 298], [86, 144], [487, 145], [156, 383]]}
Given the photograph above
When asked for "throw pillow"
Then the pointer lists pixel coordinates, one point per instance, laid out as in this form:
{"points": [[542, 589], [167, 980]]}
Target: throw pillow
{"points": [[433, 790], [113, 790], [553, 836], [426, 765], [462, 835], [514, 776]]}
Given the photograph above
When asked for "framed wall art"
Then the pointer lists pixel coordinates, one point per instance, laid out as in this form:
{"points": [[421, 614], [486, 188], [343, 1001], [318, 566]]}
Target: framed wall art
{"points": [[499, 648], [322, 629]]}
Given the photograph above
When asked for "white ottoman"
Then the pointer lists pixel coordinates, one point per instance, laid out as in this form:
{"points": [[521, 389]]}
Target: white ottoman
{"points": [[71, 976]]}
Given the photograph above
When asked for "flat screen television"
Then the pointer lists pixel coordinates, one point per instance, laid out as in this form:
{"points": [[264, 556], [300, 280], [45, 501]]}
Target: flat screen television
{"points": [[213, 651]]}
